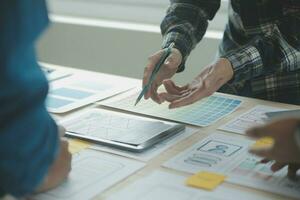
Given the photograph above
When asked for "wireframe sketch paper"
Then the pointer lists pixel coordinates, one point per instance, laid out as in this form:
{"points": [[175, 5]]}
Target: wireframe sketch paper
{"points": [[248, 173], [254, 117], [229, 155], [214, 153], [202, 113], [92, 172], [163, 185], [77, 91]]}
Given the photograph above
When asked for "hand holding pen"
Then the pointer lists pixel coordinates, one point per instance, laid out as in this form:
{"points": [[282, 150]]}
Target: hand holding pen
{"points": [[167, 70]]}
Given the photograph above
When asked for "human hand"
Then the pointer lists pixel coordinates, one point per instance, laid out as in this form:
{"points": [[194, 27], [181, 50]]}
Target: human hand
{"points": [[167, 70], [205, 84], [284, 150], [61, 167]]}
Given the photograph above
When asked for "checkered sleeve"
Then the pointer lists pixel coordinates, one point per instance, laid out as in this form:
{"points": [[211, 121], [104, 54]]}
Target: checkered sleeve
{"points": [[262, 56], [185, 24], [246, 63]]}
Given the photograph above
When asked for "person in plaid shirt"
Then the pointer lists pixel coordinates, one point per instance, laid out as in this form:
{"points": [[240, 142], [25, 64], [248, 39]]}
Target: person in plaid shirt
{"points": [[258, 57]]}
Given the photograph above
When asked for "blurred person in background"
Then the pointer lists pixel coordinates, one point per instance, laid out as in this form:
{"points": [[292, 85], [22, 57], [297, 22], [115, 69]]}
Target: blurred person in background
{"points": [[33, 158]]}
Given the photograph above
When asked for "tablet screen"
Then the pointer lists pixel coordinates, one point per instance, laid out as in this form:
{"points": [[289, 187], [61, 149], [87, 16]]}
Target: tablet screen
{"points": [[113, 126]]}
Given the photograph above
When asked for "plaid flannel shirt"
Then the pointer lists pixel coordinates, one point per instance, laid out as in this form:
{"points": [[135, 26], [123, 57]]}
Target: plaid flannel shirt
{"points": [[261, 40]]}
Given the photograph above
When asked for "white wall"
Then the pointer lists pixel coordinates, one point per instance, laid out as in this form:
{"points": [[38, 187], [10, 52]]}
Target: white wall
{"points": [[141, 11]]}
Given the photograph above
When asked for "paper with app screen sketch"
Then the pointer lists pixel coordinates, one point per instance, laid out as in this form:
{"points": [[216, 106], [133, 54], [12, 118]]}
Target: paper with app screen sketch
{"points": [[165, 185], [228, 155], [92, 173]]}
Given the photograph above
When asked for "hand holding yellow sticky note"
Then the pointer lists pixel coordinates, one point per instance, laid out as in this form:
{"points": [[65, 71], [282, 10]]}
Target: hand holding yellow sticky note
{"points": [[205, 180], [265, 142], [76, 145]]}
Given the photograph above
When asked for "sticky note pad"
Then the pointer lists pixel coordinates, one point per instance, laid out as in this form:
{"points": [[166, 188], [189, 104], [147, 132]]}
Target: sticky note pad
{"points": [[263, 143], [76, 145], [205, 180]]}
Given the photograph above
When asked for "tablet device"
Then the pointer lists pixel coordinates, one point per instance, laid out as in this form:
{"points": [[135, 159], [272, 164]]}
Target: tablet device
{"points": [[119, 130]]}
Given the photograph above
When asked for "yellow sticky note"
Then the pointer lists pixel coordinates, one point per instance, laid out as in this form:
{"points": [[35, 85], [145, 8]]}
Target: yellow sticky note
{"points": [[263, 143], [205, 180], [76, 145]]}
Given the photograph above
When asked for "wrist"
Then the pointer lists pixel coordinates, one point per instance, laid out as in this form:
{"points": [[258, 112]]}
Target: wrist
{"points": [[227, 69], [179, 59]]}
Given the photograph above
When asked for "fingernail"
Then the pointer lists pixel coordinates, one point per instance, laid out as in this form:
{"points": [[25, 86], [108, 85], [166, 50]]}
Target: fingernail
{"points": [[167, 62]]}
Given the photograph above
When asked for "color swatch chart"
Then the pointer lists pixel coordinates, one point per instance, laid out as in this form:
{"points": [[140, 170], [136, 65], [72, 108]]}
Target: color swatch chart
{"points": [[202, 113]]}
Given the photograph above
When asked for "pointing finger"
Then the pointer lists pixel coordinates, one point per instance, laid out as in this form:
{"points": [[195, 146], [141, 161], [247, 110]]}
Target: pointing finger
{"points": [[192, 97]]}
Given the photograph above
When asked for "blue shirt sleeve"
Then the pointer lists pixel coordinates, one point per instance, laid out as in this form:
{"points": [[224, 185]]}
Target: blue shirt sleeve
{"points": [[28, 135]]}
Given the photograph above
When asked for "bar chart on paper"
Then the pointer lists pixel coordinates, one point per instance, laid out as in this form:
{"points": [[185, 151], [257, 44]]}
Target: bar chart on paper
{"points": [[202, 113]]}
